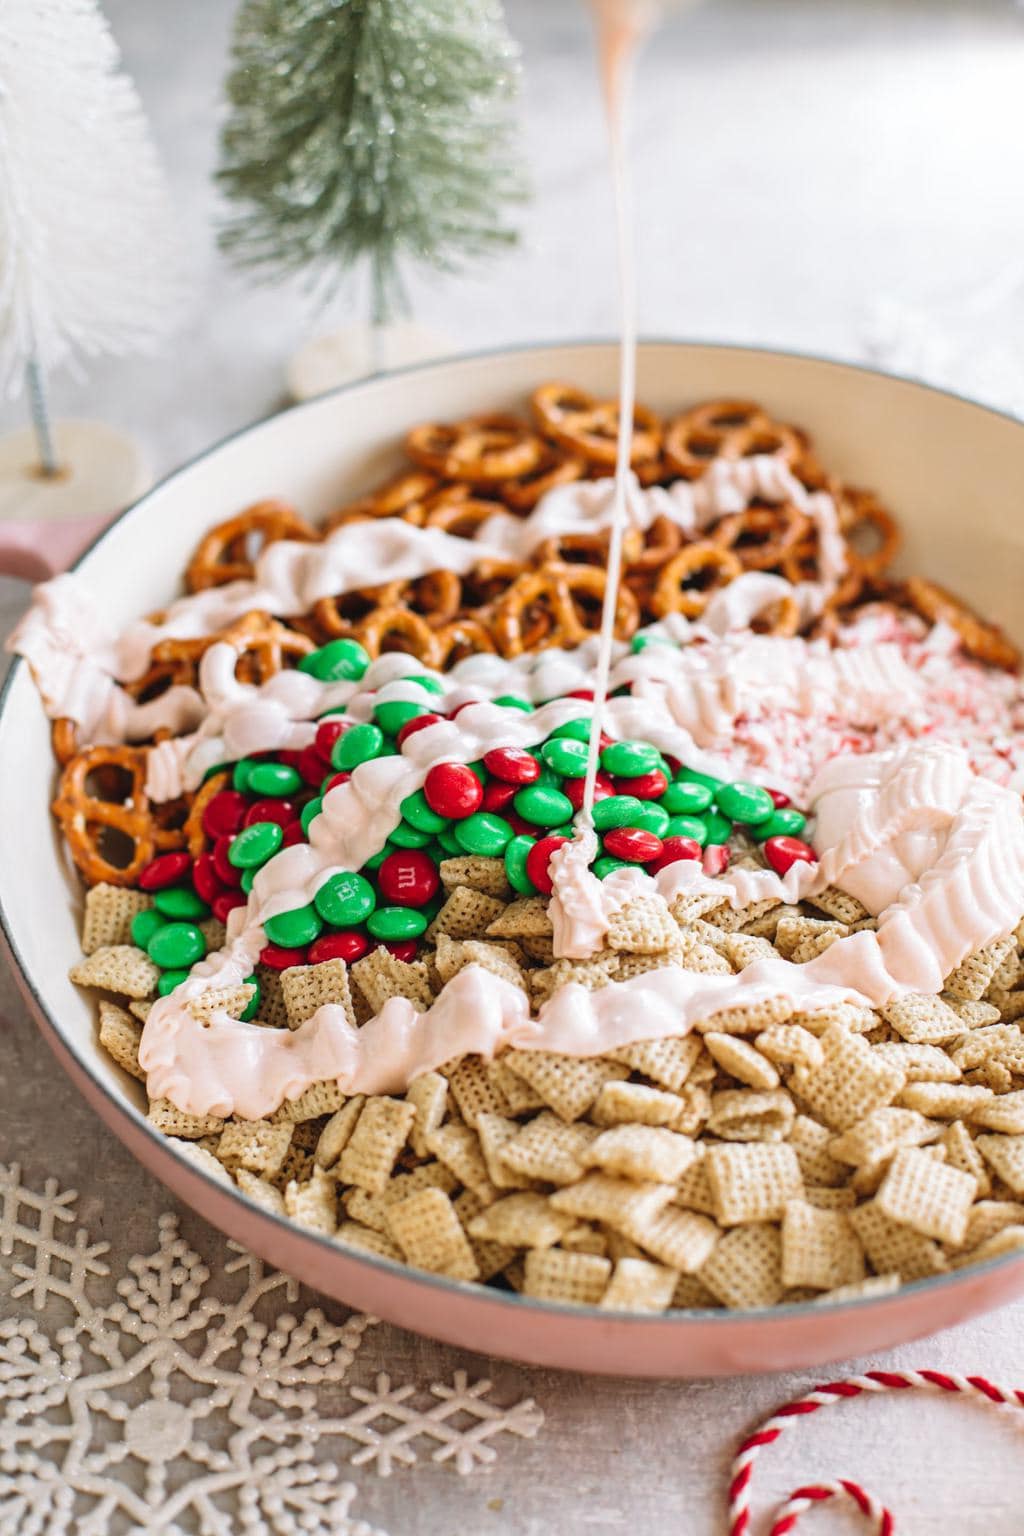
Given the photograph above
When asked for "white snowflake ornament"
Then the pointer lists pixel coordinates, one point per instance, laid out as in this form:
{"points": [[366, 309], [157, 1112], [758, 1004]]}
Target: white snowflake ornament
{"points": [[189, 1405]]}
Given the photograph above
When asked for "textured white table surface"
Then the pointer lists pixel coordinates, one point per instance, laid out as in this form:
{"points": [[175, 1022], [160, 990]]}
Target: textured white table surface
{"points": [[829, 176]]}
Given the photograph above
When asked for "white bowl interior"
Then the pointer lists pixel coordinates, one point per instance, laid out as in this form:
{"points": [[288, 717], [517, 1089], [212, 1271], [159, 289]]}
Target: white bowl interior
{"points": [[949, 469]]}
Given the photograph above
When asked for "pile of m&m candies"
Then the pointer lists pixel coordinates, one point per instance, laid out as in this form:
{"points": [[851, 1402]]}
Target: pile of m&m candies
{"points": [[514, 804]]}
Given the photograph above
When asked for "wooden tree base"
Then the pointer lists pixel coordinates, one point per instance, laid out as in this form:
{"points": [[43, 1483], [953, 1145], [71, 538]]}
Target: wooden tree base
{"points": [[46, 521]]}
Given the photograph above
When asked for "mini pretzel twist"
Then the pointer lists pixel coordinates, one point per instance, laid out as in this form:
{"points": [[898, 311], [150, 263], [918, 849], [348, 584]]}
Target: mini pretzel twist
{"points": [[558, 605], [265, 647], [583, 424], [340, 617], [557, 466], [229, 551], [587, 549], [108, 823], [462, 638], [460, 515], [436, 597], [863, 519], [196, 839], [726, 429], [402, 497], [703, 561], [411, 632], [800, 563], [761, 536], [985, 642], [481, 449]]}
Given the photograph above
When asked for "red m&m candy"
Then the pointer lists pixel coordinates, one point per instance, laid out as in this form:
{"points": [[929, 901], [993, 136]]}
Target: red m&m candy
{"points": [[402, 949], [453, 791], [779, 798], [348, 946], [633, 844], [497, 795], [225, 902], [537, 861], [280, 959], [224, 813], [342, 777], [783, 852], [512, 765], [573, 789], [672, 850], [226, 872], [281, 811], [165, 869], [408, 878], [205, 877], [417, 723], [645, 786], [311, 765], [327, 733]]}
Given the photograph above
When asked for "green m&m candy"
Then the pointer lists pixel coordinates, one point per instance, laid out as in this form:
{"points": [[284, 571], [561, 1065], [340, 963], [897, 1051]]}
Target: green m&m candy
{"points": [[309, 813], [484, 834], [542, 805], [274, 779], [641, 642], [393, 923], [255, 845], [345, 899], [292, 930], [394, 713], [688, 826], [169, 980], [745, 803], [605, 864], [337, 661], [616, 811], [144, 925], [449, 842], [652, 817], [176, 946], [248, 876], [180, 902], [565, 756], [686, 797], [574, 730], [513, 701], [418, 814], [717, 827], [252, 1007], [359, 744], [515, 865], [240, 773], [427, 681], [787, 821], [377, 859], [406, 835], [690, 775], [630, 759]]}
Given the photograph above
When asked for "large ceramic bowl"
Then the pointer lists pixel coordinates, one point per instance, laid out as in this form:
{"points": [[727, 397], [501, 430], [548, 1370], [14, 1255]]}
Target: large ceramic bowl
{"points": [[954, 472]]}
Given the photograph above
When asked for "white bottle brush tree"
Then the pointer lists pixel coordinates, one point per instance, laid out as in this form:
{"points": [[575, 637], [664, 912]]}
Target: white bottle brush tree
{"points": [[88, 247], [369, 135]]}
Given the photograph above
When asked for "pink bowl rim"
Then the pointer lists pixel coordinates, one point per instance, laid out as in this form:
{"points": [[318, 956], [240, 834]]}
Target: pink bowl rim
{"points": [[717, 1318]]}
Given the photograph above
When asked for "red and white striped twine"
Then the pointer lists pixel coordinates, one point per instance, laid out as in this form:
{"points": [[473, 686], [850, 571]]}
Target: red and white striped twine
{"points": [[833, 1392]]}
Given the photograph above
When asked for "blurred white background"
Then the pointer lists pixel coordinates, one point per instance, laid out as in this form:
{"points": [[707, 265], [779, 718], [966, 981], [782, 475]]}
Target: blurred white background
{"points": [[842, 176]]}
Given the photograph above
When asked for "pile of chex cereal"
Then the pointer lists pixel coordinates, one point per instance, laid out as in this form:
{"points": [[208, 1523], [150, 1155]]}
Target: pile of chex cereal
{"points": [[768, 1156]]}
